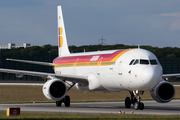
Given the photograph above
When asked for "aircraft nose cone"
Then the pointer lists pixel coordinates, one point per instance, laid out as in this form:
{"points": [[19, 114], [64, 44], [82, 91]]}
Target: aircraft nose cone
{"points": [[151, 77]]}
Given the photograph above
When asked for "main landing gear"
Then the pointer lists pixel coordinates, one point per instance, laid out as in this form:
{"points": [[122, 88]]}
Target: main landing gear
{"points": [[135, 100], [66, 100]]}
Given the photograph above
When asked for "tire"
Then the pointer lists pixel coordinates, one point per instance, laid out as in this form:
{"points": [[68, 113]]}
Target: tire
{"points": [[141, 107], [58, 103], [127, 102], [136, 105], [67, 101]]}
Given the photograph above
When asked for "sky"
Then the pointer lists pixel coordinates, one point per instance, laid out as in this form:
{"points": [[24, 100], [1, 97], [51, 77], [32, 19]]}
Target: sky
{"points": [[130, 22]]}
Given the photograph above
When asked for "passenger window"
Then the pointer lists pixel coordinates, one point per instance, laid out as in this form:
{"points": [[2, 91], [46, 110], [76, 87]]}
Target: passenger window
{"points": [[131, 62], [136, 62], [145, 62], [153, 62]]}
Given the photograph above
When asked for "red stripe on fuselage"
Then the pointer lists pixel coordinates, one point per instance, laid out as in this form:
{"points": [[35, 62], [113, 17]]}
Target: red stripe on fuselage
{"points": [[87, 58]]}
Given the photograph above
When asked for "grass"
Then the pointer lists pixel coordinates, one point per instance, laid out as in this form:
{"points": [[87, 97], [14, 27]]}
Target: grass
{"points": [[28, 94], [19, 94], [64, 116]]}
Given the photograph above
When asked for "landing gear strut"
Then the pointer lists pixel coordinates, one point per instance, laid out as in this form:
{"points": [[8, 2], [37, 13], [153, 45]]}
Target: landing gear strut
{"points": [[135, 100]]}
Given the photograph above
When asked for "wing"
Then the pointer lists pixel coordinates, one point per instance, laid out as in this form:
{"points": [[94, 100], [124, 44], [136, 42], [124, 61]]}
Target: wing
{"points": [[73, 78], [170, 76], [29, 84], [33, 62]]}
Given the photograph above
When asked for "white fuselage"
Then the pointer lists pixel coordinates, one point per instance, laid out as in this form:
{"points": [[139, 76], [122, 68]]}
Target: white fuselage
{"points": [[107, 71]]}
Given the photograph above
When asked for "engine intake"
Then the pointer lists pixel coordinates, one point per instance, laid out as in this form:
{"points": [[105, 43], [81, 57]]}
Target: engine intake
{"points": [[163, 92], [54, 89]]}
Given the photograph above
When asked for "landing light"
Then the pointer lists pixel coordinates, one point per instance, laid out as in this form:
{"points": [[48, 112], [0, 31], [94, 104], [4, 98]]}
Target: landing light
{"points": [[136, 91]]}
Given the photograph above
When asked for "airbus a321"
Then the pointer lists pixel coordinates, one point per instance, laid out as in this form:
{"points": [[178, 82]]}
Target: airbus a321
{"points": [[133, 70]]}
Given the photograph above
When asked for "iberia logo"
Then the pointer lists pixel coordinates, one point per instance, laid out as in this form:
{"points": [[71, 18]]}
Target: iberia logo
{"points": [[60, 37]]}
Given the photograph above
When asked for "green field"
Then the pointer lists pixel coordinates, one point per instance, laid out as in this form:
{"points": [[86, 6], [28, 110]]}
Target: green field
{"points": [[24, 94], [64, 116], [19, 94]]}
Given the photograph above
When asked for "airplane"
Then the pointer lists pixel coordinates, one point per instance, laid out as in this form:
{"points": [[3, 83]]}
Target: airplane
{"points": [[134, 70]]}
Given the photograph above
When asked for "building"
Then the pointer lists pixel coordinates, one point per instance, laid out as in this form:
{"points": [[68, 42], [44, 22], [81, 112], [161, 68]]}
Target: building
{"points": [[13, 45]]}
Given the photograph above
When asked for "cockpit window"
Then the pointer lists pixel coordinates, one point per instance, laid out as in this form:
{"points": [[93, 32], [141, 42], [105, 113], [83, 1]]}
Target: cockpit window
{"points": [[131, 62], [136, 62], [153, 62], [145, 62]]}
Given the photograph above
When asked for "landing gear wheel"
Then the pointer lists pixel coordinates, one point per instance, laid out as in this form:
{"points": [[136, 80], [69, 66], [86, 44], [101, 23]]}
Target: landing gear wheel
{"points": [[141, 107], [58, 103], [136, 105], [135, 100], [127, 102], [67, 101]]}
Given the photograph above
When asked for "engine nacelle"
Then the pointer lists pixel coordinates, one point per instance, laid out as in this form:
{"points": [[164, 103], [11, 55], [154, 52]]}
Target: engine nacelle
{"points": [[54, 89], [163, 92]]}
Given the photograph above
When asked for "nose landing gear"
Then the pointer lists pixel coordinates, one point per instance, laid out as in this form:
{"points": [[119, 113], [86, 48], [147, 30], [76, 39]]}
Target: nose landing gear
{"points": [[135, 100]]}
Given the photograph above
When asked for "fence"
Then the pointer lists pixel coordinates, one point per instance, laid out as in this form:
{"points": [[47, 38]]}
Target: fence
{"points": [[169, 66], [24, 66]]}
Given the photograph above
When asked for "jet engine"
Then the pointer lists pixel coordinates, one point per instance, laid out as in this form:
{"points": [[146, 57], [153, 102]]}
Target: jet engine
{"points": [[163, 92], [54, 89]]}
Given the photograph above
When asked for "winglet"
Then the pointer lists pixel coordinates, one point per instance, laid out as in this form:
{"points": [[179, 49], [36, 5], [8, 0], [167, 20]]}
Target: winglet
{"points": [[62, 41]]}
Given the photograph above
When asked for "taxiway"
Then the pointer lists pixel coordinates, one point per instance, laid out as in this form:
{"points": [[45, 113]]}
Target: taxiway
{"points": [[151, 107]]}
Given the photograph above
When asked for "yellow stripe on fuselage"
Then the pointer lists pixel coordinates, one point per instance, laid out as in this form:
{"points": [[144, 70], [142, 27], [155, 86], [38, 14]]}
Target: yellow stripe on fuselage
{"points": [[117, 56], [84, 64]]}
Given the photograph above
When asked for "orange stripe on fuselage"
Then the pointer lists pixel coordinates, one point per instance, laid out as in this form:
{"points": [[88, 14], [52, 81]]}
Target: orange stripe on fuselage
{"points": [[89, 60]]}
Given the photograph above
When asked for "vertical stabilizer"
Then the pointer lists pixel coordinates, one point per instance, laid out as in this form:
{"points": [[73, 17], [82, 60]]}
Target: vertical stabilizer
{"points": [[62, 41]]}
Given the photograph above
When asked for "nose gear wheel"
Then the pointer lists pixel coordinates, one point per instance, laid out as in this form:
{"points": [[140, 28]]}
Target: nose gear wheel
{"points": [[135, 100]]}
